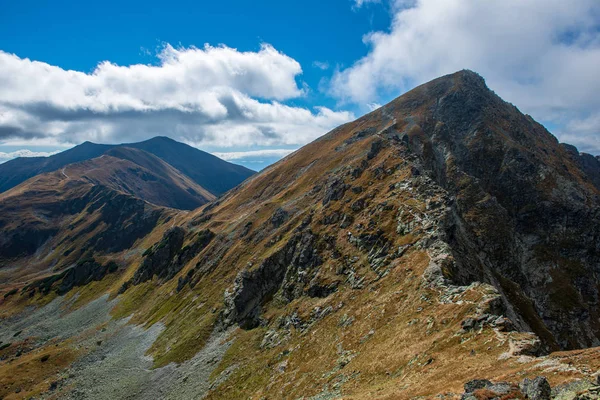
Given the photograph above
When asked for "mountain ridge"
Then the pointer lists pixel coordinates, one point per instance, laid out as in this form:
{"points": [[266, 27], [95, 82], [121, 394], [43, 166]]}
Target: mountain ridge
{"points": [[189, 160], [442, 238]]}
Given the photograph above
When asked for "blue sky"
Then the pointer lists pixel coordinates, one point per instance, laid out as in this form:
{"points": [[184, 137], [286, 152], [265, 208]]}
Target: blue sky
{"points": [[308, 66]]}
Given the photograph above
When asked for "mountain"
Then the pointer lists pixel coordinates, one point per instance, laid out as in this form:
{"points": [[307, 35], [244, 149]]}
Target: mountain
{"points": [[144, 176], [35, 213], [443, 246], [53, 220], [210, 172], [18, 170]]}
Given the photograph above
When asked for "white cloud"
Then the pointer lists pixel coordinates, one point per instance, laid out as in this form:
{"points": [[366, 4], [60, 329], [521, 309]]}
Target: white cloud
{"points": [[322, 65], [24, 153], [213, 96], [583, 133], [542, 55], [373, 106], [241, 155], [360, 3]]}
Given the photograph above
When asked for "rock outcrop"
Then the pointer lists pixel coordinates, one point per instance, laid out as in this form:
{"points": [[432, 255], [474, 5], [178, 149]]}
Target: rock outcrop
{"points": [[288, 270], [167, 257], [533, 389], [85, 271]]}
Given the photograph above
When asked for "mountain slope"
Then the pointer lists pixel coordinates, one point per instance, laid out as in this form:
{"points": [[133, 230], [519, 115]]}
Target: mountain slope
{"points": [[206, 170], [54, 220], [441, 238], [196, 164], [18, 170], [144, 176], [526, 216]]}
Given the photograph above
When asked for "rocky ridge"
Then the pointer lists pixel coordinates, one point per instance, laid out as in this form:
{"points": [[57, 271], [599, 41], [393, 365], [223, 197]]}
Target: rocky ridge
{"points": [[428, 243]]}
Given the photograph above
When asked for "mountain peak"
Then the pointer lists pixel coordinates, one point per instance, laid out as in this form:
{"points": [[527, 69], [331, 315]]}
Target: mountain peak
{"points": [[464, 80], [468, 74], [162, 139]]}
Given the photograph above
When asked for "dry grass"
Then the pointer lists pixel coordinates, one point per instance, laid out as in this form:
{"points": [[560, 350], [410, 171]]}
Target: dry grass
{"points": [[29, 375]]}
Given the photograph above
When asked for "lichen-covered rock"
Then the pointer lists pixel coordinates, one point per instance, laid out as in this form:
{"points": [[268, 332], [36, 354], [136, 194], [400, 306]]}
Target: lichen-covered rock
{"points": [[336, 188], [167, 257], [280, 271], [479, 389], [536, 389], [476, 384]]}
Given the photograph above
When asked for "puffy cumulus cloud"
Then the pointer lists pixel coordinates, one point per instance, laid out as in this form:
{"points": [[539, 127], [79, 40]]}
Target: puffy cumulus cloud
{"points": [[211, 96], [542, 55]]}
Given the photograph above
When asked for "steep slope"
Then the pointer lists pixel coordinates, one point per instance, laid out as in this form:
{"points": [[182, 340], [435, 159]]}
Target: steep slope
{"points": [[213, 174], [526, 215], [521, 214], [398, 256]]}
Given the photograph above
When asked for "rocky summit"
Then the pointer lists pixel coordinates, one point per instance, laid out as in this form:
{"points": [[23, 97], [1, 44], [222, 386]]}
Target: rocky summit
{"points": [[443, 246]]}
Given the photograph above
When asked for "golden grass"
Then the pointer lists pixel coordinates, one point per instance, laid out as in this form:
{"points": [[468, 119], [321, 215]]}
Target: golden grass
{"points": [[32, 376]]}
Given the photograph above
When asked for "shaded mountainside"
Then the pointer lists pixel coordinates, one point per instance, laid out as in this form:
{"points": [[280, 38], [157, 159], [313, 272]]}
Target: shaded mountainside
{"points": [[56, 219], [441, 238], [98, 205], [213, 174], [526, 216]]}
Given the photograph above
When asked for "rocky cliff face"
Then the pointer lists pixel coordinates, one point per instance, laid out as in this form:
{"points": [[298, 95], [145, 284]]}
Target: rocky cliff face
{"points": [[526, 210]]}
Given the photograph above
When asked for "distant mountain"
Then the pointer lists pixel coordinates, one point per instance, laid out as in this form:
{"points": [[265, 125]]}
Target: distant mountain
{"points": [[80, 209], [215, 175], [210, 172], [142, 175], [18, 170]]}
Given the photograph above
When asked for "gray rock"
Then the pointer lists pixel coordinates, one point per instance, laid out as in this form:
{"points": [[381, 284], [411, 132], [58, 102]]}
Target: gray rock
{"points": [[336, 188], [279, 217], [536, 389], [476, 384]]}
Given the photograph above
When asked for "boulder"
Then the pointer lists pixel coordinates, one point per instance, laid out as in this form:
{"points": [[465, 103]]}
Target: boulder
{"points": [[536, 389]]}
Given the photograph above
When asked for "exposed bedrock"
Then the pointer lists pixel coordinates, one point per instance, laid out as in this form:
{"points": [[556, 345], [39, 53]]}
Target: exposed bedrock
{"points": [[286, 269], [525, 218]]}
